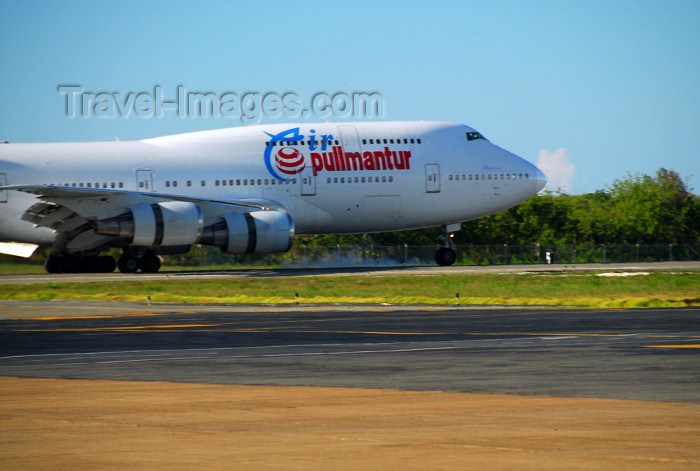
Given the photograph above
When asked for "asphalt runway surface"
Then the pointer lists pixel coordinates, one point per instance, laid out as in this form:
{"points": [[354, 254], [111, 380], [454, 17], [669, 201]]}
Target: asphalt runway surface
{"points": [[645, 354]]}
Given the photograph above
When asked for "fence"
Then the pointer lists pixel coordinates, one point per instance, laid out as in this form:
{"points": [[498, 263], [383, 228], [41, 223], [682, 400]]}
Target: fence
{"points": [[375, 255]]}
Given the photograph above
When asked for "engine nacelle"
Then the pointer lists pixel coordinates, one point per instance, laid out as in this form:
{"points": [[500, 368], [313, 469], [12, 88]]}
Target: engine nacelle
{"points": [[166, 224], [256, 232]]}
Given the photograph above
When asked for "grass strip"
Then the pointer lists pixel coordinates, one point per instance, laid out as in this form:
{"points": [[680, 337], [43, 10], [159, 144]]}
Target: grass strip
{"points": [[658, 289]]}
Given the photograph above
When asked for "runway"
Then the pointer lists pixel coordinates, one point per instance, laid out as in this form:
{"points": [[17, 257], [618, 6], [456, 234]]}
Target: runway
{"points": [[646, 354]]}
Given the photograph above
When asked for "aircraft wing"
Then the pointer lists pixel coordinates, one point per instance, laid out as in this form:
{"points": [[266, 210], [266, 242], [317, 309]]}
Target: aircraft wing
{"points": [[76, 195], [72, 211]]}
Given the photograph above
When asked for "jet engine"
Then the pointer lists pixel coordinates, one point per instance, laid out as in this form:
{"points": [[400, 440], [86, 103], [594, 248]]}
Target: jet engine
{"points": [[177, 224], [170, 223], [254, 232]]}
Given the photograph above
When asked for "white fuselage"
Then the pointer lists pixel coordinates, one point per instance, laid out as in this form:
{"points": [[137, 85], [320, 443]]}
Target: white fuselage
{"points": [[330, 178]]}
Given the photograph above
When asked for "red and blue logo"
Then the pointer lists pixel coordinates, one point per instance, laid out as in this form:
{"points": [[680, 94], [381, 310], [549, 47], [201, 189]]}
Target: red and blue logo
{"points": [[284, 162]]}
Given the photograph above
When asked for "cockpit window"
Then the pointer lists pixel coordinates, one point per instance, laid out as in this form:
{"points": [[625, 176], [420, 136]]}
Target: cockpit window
{"points": [[472, 136]]}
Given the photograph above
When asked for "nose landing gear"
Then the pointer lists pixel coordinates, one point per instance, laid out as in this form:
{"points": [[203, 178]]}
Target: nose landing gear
{"points": [[446, 255]]}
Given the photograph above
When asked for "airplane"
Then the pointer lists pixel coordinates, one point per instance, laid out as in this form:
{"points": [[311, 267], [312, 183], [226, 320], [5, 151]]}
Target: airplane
{"points": [[250, 190]]}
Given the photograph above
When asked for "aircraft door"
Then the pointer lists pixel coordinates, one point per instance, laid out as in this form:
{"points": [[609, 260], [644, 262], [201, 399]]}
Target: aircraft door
{"points": [[144, 181], [432, 178], [349, 139], [308, 182]]}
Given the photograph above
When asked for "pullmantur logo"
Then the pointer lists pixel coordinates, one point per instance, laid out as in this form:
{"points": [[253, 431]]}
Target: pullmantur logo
{"points": [[283, 161], [248, 107]]}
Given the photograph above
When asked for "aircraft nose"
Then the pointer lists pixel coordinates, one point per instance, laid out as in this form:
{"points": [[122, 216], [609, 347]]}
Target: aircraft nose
{"points": [[541, 179]]}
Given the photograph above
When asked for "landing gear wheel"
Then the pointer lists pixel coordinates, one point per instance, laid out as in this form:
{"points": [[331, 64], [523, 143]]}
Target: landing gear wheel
{"points": [[128, 263], [91, 264], [54, 264], [150, 263], [72, 264], [107, 264], [445, 256]]}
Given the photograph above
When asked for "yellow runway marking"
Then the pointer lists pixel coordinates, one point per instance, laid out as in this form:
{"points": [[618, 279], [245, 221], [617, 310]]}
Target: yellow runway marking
{"points": [[673, 346], [102, 316], [125, 327]]}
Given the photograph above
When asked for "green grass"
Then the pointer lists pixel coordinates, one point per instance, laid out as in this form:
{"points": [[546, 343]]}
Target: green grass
{"points": [[655, 290]]}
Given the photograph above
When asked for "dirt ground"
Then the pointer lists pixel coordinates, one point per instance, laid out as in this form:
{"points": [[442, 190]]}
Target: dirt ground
{"points": [[110, 425]]}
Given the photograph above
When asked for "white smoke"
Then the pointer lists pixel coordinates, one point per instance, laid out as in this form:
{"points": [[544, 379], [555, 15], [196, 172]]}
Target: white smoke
{"points": [[558, 169]]}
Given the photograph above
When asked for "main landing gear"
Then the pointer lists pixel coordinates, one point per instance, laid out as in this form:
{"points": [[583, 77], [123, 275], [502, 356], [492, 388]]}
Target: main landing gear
{"points": [[446, 255], [128, 262], [131, 262], [76, 264]]}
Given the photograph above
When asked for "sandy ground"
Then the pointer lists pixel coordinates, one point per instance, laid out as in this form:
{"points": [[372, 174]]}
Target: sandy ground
{"points": [[111, 425]]}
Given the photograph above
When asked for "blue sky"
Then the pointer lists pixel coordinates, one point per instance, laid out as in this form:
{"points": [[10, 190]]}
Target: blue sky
{"points": [[589, 90]]}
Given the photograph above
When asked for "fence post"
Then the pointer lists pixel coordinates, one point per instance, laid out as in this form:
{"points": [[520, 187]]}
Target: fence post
{"points": [[603, 245], [505, 254], [636, 252]]}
